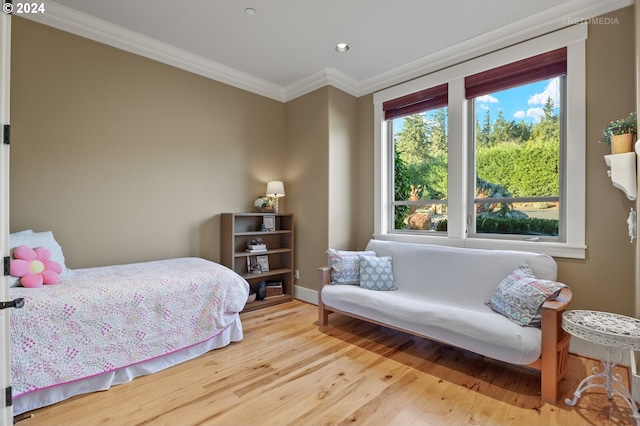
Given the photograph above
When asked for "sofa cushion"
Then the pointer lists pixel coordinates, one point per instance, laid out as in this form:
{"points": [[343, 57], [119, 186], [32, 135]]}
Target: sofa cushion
{"points": [[376, 273], [344, 265], [477, 329], [520, 296]]}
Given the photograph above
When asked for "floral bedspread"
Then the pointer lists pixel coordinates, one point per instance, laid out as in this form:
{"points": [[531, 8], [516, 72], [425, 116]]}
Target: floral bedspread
{"points": [[102, 319]]}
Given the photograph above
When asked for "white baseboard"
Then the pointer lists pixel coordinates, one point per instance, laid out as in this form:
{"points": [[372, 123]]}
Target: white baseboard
{"points": [[305, 294]]}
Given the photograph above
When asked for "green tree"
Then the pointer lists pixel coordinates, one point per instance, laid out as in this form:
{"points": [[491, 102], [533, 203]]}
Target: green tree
{"points": [[412, 142], [438, 139], [483, 133], [402, 189], [548, 129]]}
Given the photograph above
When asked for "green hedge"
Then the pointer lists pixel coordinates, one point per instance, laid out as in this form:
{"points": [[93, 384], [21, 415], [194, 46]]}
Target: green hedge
{"points": [[510, 165], [529, 226]]}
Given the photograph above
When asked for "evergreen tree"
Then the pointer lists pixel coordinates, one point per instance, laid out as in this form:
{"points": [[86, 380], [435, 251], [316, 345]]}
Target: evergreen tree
{"points": [[548, 129], [412, 143], [483, 134], [438, 132], [502, 130]]}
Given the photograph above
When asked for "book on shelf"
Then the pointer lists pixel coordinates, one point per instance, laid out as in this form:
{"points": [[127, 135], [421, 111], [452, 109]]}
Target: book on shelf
{"points": [[248, 250]]}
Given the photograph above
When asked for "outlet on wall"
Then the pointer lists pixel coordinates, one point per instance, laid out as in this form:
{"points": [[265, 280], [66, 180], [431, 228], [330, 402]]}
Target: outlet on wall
{"points": [[296, 274]]}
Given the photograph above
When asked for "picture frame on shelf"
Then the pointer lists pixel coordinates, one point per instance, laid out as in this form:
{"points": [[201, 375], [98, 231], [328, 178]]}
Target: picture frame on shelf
{"points": [[269, 222], [263, 261], [253, 266]]}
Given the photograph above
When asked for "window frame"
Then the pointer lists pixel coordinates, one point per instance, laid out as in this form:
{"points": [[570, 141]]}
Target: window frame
{"points": [[573, 246]]}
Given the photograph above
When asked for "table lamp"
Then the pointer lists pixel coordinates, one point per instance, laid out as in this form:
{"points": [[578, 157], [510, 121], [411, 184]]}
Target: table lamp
{"points": [[275, 189]]}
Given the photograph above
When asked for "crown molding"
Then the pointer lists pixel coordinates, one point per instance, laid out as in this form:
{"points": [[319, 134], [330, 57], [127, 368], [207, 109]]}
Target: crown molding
{"points": [[327, 76], [81, 24]]}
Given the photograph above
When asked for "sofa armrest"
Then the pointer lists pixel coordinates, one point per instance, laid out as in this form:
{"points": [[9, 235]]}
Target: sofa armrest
{"points": [[555, 345], [324, 276]]}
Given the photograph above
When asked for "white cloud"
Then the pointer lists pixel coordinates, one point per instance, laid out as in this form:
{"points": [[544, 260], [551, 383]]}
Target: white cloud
{"points": [[487, 98], [535, 113], [520, 114], [551, 91]]}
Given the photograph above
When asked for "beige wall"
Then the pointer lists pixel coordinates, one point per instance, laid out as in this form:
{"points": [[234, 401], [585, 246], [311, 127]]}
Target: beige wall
{"points": [[605, 280], [307, 160], [343, 113], [363, 209], [126, 159]]}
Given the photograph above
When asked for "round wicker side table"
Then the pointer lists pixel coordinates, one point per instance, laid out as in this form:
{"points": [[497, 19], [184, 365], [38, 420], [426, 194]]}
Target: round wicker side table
{"points": [[611, 334]]}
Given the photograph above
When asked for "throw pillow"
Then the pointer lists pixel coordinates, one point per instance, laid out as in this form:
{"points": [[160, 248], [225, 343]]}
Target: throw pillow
{"points": [[34, 266], [38, 239], [345, 265], [520, 296], [376, 273]]}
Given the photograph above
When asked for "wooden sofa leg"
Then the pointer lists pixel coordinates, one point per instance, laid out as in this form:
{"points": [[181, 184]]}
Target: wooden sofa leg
{"points": [[323, 316], [324, 278]]}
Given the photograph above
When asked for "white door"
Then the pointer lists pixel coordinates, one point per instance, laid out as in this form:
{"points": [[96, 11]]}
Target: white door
{"points": [[6, 412]]}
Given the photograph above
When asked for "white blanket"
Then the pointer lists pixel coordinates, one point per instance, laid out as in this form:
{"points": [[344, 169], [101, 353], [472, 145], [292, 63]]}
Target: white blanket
{"points": [[103, 319]]}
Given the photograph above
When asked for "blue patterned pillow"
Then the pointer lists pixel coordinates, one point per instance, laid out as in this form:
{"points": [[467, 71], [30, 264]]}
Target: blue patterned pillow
{"points": [[345, 265], [376, 273], [520, 296]]}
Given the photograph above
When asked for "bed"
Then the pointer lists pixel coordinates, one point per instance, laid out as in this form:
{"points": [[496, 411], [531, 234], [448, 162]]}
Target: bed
{"points": [[107, 325]]}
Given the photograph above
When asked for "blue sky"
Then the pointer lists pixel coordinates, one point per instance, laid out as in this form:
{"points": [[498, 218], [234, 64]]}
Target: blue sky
{"points": [[520, 103]]}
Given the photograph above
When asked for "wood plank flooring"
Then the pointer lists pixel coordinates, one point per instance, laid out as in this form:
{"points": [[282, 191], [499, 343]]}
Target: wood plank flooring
{"points": [[288, 371]]}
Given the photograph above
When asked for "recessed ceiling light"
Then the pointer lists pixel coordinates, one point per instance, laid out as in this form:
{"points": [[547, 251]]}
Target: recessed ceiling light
{"points": [[250, 11], [342, 47]]}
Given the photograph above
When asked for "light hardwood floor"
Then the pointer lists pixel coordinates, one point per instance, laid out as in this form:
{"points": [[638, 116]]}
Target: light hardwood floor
{"points": [[287, 371]]}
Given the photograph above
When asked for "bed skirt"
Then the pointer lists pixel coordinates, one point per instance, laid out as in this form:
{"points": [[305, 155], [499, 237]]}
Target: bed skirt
{"points": [[49, 396]]}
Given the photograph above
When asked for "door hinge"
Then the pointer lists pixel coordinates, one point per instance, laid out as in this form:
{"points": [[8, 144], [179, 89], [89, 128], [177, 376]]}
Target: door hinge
{"points": [[7, 265], [6, 134], [8, 398]]}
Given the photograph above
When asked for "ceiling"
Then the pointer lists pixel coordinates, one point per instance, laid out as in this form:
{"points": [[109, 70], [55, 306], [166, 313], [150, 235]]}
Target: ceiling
{"points": [[287, 48]]}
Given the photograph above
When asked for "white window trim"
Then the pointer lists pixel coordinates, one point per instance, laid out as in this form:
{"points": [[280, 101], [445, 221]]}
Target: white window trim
{"points": [[574, 38]]}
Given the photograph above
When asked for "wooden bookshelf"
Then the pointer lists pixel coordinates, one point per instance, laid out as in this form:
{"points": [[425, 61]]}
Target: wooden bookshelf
{"points": [[237, 229]]}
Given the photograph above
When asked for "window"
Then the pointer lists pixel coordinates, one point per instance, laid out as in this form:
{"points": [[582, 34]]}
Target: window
{"points": [[456, 169], [517, 166], [418, 126]]}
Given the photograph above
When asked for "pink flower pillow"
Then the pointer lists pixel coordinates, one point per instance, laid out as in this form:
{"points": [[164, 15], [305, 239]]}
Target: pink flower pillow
{"points": [[34, 266]]}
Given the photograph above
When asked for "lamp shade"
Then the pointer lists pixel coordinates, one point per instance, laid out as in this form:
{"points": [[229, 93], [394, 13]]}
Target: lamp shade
{"points": [[275, 189]]}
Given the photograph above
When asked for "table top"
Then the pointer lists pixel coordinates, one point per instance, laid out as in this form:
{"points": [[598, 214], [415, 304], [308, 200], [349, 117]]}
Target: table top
{"points": [[603, 328]]}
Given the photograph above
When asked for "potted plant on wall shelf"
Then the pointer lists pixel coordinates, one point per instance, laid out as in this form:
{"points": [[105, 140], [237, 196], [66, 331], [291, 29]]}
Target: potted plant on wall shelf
{"points": [[619, 134]]}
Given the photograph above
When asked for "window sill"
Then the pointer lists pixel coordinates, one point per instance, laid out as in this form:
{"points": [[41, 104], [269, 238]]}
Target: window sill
{"points": [[550, 248]]}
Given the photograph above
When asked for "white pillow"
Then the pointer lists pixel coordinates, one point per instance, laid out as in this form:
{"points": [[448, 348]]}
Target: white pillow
{"points": [[33, 240]]}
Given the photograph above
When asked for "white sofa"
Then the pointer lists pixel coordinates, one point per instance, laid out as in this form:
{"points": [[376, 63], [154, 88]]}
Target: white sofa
{"points": [[441, 295]]}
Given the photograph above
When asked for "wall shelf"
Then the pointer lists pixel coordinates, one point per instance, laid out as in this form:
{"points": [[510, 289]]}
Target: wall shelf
{"points": [[623, 172]]}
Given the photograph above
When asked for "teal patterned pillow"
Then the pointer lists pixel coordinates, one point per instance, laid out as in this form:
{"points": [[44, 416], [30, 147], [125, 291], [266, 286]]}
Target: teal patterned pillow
{"points": [[345, 265], [520, 296], [376, 273]]}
